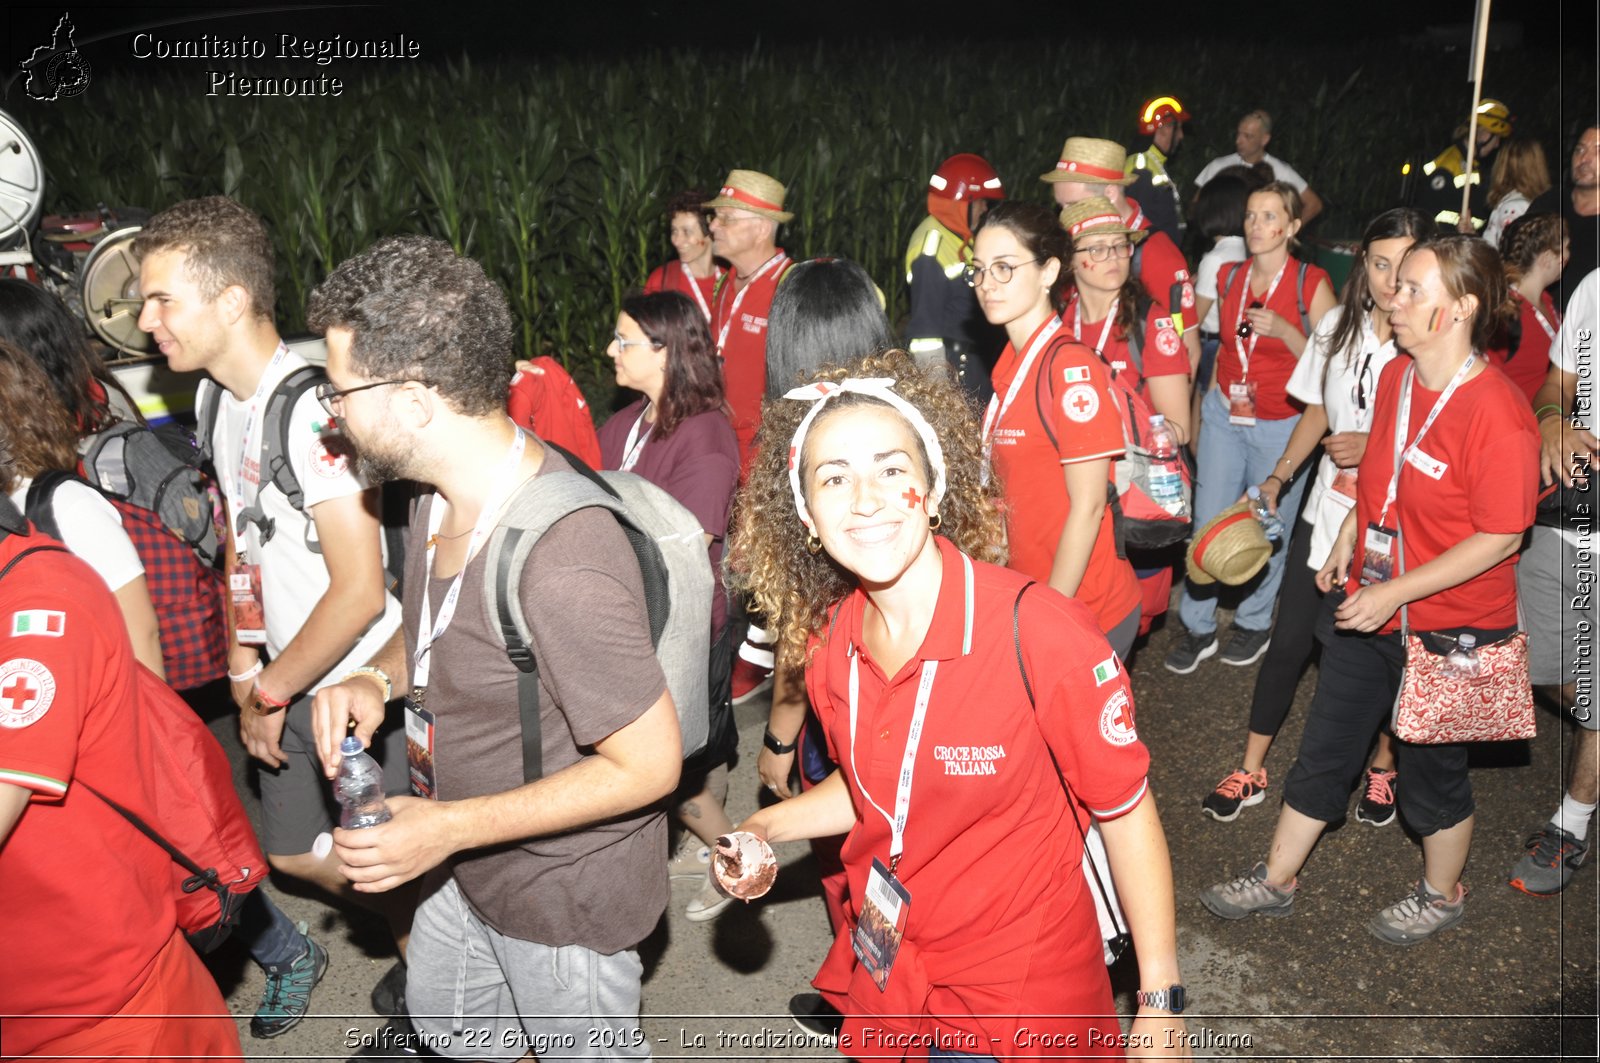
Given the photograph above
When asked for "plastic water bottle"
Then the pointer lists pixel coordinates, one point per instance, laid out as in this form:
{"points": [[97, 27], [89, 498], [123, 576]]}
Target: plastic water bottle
{"points": [[1166, 480], [1271, 523], [1463, 662], [359, 787]]}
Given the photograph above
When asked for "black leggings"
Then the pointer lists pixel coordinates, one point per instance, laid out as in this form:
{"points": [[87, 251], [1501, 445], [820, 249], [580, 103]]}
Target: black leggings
{"points": [[1293, 637]]}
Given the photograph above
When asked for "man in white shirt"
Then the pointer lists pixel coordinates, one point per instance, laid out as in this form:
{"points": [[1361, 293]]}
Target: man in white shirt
{"points": [[1251, 140]]}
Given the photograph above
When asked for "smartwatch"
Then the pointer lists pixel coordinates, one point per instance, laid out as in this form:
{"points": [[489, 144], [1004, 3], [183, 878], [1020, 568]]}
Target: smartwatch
{"points": [[1170, 999], [777, 746]]}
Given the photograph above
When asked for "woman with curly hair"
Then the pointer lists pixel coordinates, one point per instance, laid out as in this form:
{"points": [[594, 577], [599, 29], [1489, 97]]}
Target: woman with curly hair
{"points": [[1535, 252], [868, 535]]}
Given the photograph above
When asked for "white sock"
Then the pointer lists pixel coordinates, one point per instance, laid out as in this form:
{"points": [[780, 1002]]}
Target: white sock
{"points": [[1573, 817]]}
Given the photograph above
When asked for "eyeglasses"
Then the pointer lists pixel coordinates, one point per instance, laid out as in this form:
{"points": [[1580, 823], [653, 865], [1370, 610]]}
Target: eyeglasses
{"points": [[623, 345], [1002, 272], [1101, 252], [331, 397], [1245, 328]]}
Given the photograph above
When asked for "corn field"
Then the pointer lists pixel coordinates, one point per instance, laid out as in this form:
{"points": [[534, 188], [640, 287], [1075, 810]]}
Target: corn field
{"points": [[554, 174]]}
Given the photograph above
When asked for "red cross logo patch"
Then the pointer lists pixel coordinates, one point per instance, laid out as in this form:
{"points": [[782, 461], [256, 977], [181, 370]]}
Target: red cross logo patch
{"points": [[26, 690], [328, 462], [1080, 403], [1116, 719]]}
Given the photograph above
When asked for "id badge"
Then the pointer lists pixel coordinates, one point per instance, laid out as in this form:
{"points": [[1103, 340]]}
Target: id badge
{"points": [[1242, 403], [1344, 482], [419, 748], [882, 923], [249, 618], [1377, 554]]}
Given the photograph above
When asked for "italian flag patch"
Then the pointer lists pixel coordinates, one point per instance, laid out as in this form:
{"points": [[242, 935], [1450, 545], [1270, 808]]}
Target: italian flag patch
{"points": [[39, 622], [1076, 374], [1107, 670]]}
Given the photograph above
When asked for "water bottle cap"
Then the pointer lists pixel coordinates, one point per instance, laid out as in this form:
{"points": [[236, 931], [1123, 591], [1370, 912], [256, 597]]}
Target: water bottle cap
{"points": [[1158, 419], [350, 746], [1252, 492], [1467, 642], [322, 845]]}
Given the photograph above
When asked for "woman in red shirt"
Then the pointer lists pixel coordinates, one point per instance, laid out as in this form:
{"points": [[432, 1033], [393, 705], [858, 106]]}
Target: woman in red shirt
{"points": [[974, 879], [1052, 428], [1535, 252], [1451, 463], [695, 273], [1268, 306]]}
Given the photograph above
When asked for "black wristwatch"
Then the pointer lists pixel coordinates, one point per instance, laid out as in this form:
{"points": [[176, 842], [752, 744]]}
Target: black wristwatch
{"points": [[777, 746], [1170, 999]]}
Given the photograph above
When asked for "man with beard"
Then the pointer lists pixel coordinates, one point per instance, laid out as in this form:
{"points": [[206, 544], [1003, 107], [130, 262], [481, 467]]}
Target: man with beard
{"points": [[537, 893], [1579, 203], [306, 583]]}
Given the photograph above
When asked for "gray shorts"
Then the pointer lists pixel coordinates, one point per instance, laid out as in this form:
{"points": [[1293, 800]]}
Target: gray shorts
{"points": [[1556, 585], [297, 799], [474, 993]]}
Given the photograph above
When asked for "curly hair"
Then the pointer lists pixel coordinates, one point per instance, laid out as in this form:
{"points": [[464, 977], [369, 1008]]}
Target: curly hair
{"points": [[38, 323], [1525, 242], [416, 310], [223, 243], [691, 201], [768, 559], [37, 430]]}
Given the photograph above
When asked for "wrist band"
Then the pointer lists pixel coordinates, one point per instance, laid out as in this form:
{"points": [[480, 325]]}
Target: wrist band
{"points": [[267, 699], [1274, 476], [376, 673], [1538, 415], [248, 674]]}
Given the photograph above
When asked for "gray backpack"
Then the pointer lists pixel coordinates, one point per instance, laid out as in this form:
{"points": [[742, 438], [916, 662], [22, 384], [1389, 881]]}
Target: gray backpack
{"points": [[670, 546]]}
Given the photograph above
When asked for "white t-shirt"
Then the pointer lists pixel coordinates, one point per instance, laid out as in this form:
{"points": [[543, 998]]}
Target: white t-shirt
{"points": [[293, 575], [92, 529], [1511, 207], [1339, 384], [1226, 250], [1574, 346], [1285, 173]]}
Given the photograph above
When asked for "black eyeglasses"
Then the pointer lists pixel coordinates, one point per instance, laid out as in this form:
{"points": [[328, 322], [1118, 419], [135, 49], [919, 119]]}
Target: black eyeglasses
{"points": [[1002, 272], [331, 396], [1245, 328]]}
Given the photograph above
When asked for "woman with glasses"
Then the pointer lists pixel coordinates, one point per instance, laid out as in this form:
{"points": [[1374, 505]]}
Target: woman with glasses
{"points": [[1267, 308], [1336, 378], [1052, 428], [678, 436]]}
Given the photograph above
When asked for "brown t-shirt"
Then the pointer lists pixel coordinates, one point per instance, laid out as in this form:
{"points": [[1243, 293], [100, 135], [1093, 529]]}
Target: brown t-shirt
{"points": [[603, 887]]}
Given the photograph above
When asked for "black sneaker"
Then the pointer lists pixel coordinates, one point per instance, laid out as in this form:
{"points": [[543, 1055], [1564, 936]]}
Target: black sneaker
{"points": [[1376, 806], [1240, 789], [819, 1019], [1190, 651], [389, 995], [1245, 646]]}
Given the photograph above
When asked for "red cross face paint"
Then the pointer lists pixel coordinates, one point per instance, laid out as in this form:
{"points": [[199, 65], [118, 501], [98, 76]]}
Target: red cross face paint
{"points": [[913, 500]]}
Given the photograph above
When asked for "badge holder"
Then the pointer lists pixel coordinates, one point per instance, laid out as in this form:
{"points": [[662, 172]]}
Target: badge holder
{"points": [[249, 615], [1242, 403], [419, 747], [882, 924]]}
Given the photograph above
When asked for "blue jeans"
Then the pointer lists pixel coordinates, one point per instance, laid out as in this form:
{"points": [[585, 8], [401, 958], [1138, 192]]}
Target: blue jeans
{"points": [[274, 941], [1233, 457]]}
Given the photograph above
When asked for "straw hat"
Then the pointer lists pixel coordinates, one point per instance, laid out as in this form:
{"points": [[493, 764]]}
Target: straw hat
{"points": [[1231, 548], [752, 191], [1096, 215], [1092, 162]]}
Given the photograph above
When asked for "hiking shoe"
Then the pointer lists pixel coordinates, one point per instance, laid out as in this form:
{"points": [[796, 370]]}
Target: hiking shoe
{"points": [[749, 680], [1245, 646], [817, 1018], [708, 903], [1249, 893], [1240, 789], [1420, 915], [693, 859], [1377, 804], [1552, 856], [1190, 651], [389, 995], [288, 992]]}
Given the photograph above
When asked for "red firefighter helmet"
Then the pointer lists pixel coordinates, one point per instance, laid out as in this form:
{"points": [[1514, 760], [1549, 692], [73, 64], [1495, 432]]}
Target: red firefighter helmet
{"points": [[1158, 112], [959, 180]]}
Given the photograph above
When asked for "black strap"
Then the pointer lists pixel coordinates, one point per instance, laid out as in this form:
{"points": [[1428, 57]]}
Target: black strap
{"points": [[31, 550], [521, 655], [39, 506], [1121, 942], [1300, 299]]}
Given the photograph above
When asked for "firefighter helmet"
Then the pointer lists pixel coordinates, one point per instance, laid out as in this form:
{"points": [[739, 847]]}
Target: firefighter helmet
{"points": [[963, 177], [1495, 117], [1158, 112]]}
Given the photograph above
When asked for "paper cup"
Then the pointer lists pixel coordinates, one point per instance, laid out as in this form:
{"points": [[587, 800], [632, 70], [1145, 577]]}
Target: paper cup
{"points": [[743, 865]]}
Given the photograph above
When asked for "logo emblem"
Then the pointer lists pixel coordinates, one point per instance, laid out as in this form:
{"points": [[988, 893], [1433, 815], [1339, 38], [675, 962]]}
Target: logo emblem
{"points": [[1116, 719], [26, 690], [57, 71], [1080, 403]]}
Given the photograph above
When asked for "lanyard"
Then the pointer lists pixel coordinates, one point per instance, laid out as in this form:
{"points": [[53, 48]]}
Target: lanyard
{"points": [[1137, 221], [1402, 424], [1538, 313], [738, 297], [635, 444], [997, 409], [694, 287], [1105, 329], [1248, 347], [908, 762], [504, 476], [251, 444]]}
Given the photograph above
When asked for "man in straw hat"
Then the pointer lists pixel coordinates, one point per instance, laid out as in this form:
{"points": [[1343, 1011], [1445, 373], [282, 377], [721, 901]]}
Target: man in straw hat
{"points": [[1090, 167], [744, 233]]}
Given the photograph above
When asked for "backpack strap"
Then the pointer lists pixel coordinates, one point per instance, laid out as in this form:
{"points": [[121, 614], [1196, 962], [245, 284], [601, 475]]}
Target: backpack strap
{"points": [[40, 505], [205, 421], [43, 548], [1300, 299], [1141, 310]]}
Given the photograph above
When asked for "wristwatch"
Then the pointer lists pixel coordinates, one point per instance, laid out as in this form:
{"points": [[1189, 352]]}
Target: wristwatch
{"points": [[262, 707], [1170, 999], [777, 746]]}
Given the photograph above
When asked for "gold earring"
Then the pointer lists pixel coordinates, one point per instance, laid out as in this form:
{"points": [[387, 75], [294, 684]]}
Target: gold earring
{"points": [[813, 545], [934, 522]]}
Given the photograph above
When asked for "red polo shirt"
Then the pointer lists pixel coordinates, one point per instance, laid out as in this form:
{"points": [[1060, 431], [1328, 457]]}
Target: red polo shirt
{"points": [[675, 277], [1530, 363], [1271, 361], [739, 328], [1001, 933], [1477, 471], [1163, 269], [1063, 414], [1161, 352]]}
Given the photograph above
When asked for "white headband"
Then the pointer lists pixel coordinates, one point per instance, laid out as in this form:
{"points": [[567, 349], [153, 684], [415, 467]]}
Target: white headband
{"points": [[879, 388]]}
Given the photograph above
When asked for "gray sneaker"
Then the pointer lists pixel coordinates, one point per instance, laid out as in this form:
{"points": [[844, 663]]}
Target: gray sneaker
{"points": [[1552, 856], [1190, 651], [1419, 916], [692, 860], [1245, 646], [1249, 893]]}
